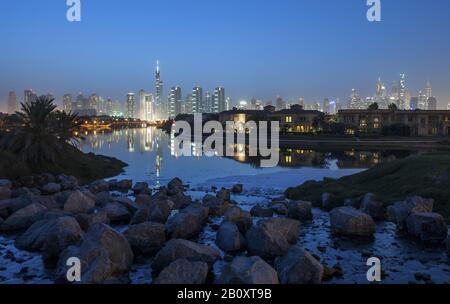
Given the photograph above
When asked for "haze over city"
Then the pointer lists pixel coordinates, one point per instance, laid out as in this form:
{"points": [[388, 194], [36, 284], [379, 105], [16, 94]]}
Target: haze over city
{"points": [[311, 49]]}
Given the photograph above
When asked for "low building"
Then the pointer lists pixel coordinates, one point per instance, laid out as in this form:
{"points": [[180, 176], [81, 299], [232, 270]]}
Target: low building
{"points": [[420, 122]]}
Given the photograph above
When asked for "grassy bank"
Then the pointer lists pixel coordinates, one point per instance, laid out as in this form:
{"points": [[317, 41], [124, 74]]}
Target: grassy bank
{"points": [[86, 167], [390, 182]]}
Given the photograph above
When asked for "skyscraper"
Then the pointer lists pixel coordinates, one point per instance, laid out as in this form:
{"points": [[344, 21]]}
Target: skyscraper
{"points": [[280, 103], [142, 114], [13, 105], [94, 101], [432, 103], [355, 101], [326, 106], [197, 99], [68, 103], [29, 96], [207, 103], [175, 101], [219, 101], [161, 107], [402, 93], [414, 103], [130, 106], [109, 107]]}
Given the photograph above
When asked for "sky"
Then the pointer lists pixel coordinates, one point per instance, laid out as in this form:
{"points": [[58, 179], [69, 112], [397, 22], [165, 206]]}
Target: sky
{"points": [[254, 48]]}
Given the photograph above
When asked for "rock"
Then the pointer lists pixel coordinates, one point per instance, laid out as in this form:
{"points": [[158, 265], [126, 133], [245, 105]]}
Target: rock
{"points": [[175, 187], [117, 213], [216, 206], [188, 223], [184, 272], [183, 249], [23, 218], [51, 188], [9, 206], [124, 185], [5, 183], [259, 211], [326, 201], [77, 202], [180, 200], [146, 238], [224, 195], [300, 210], [252, 270], [5, 193], [141, 188], [271, 238], [127, 203], [1, 221], [86, 221], [399, 212], [68, 182], [102, 198], [229, 238], [351, 222], [242, 219], [349, 202], [299, 267], [332, 272], [48, 202], [51, 236], [99, 186], [154, 211], [427, 227], [237, 189], [372, 207], [447, 243], [280, 209], [143, 199], [104, 254]]}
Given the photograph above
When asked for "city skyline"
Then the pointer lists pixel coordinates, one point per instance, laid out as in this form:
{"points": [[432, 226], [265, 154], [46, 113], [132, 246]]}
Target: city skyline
{"points": [[293, 49]]}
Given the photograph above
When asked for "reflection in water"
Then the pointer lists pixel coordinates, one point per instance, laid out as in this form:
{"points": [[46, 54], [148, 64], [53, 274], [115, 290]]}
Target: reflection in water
{"points": [[151, 156]]}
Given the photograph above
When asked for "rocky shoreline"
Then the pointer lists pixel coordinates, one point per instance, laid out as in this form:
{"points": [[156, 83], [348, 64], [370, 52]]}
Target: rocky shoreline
{"points": [[128, 233]]}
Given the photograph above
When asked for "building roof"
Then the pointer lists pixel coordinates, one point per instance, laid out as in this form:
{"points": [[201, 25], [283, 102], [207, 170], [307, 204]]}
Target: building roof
{"points": [[387, 111]]}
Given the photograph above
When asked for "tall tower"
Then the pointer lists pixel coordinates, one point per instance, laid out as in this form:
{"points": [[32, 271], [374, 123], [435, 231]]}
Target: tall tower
{"points": [[219, 102], [175, 102], [197, 99], [130, 106], [12, 103], [161, 107]]}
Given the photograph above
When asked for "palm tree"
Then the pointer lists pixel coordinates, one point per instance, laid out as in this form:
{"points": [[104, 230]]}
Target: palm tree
{"points": [[43, 132], [393, 107], [374, 106]]}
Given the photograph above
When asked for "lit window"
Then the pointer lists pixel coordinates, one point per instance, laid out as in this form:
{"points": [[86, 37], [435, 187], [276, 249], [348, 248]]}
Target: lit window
{"points": [[288, 119]]}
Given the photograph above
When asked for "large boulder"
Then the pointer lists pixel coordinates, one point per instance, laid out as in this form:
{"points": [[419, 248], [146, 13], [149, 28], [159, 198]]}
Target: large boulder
{"points": [[126, 202], [372, 207], [154, 211], [252, 270], [300, 210], [68, 182], [5, 183], [99, 186], [237, 189], [260, 211], [399, 212], [51, 188], [141, 188], [105, 254], [144, 199], [78, 202], [124, 185], [427, 227], [146, 238], [351, 222], [87, 220], [271, 238], [183, 249], [9, 206], [242, 219], [51, 236], [224, 195], [23, 218], [188, 223], [180, 200], [102, 198], [184, 272], [229, 238], [299, 267], [216, 206], [175, 186], [117, 213], [5, 193], [280, 209]]}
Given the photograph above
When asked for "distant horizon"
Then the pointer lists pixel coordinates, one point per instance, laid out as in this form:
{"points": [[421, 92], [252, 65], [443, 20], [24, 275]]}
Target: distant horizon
{"points": [[291, 48]]}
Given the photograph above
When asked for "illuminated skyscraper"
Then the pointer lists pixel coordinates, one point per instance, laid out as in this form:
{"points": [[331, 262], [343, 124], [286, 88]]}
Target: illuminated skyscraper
{"points": [[207, 103], [29, 96], [355, 101], [219, 100], [94, 101], [13, 105], [402, 93], [161, 107], [68, 102], [130, 106], [175, 101], [432, 103], [280, 103], [197, 99]]}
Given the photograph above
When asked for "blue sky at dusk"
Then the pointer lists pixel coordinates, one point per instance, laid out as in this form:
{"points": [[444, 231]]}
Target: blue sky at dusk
{"points": [[294, 48]]}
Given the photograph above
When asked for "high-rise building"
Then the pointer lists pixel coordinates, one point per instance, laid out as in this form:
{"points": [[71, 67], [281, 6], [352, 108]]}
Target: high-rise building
{"points": [[109, 107], [280, 103], [423, 101], [161, 107], [207, 103], [301, 102], [29, 96], [149, 107], [80, 102], [68, 102], [94, 101], [448, 106], [197, 99], [432, 103], [130, 106], [326, 106], [219, 101], [13, 105], [403, 102], [428, 90], [355, 101], [414, 103], [175, 102]]}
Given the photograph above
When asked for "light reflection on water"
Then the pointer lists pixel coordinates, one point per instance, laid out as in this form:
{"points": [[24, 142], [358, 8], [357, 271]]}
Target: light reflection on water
{"points": [[150, 155]]}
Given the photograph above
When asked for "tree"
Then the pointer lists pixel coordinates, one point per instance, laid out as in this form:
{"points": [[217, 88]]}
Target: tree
{"points": [[374, 106], [393, 107]]}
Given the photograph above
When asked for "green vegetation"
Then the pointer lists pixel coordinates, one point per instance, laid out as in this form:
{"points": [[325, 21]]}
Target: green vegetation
{"points": [[45, 141], [424, 175]]}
